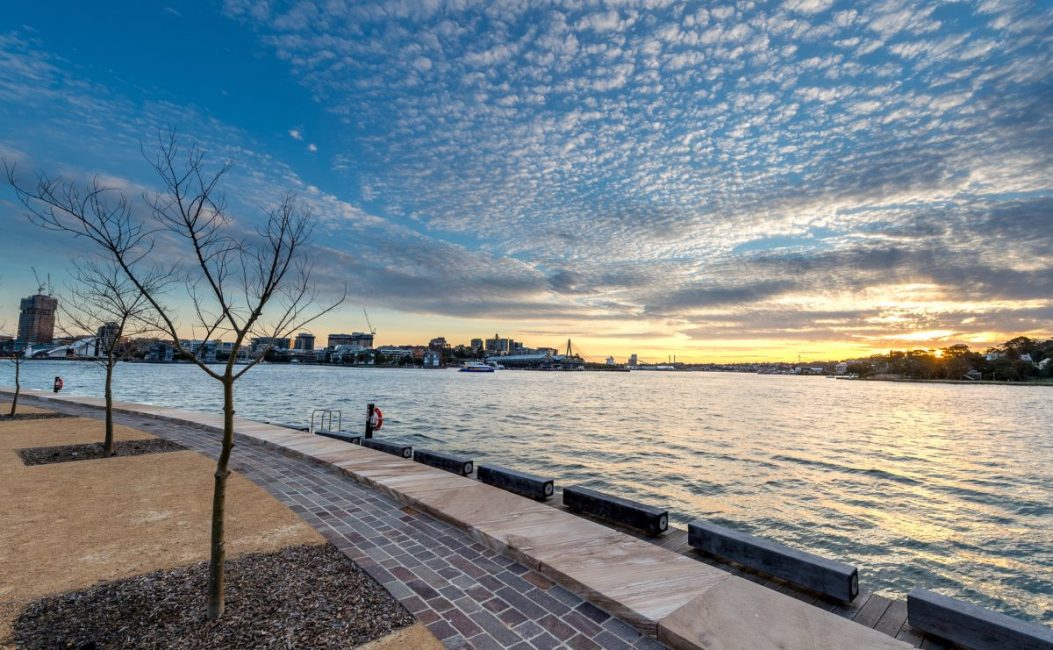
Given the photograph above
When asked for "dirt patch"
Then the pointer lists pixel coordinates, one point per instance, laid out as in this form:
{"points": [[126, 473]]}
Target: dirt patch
{"points": [[67, 526], [33, 416], [23, 409], [305, 596], [19, 434], [95, 450]]}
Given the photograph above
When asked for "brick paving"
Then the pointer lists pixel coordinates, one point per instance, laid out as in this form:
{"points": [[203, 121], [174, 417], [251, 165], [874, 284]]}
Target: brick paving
{"points": [[467, 595]]}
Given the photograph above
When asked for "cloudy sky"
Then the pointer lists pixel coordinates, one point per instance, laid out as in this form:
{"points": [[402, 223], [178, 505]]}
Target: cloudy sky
{"points": [[750, 181]]}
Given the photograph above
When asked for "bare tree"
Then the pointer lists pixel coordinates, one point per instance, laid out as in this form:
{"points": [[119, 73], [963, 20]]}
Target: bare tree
{"points": [[16, 359], [230, 283], [103, 303]]}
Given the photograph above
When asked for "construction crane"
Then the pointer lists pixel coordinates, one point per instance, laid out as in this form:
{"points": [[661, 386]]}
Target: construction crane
{"points": [[372, 330], [40, 285]]}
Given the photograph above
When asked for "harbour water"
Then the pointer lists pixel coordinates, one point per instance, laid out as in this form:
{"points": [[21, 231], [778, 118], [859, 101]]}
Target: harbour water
{"points": [[942, 486]]}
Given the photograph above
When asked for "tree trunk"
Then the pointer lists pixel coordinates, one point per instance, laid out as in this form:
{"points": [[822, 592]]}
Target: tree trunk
{"points": [[18, 387], [109, 447], [215, 566]]}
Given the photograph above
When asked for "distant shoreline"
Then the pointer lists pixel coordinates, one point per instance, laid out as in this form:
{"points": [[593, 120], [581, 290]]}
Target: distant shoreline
{"points": [[965, 382]]}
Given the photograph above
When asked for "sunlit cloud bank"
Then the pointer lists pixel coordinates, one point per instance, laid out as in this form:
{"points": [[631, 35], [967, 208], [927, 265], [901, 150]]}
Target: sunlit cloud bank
{"points": [[819, 178]]}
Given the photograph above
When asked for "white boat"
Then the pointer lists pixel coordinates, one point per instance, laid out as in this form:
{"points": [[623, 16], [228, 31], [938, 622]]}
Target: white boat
{"points": [[475, 366]]}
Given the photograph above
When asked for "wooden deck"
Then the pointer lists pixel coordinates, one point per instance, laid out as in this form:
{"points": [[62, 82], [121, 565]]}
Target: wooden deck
{"points": [[869, 609]]}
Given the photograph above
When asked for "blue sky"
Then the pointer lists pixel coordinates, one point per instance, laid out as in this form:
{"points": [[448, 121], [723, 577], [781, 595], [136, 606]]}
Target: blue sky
{"points": [[716, 181]]}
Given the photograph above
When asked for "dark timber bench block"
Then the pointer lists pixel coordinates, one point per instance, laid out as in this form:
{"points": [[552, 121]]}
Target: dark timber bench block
{"points": [[649, 519], [972, 626], [396, 448], [448, 462], [528, 485], [829, 577], [338, 435]]}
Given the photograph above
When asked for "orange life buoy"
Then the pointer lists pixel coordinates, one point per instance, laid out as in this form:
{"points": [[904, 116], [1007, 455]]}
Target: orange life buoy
{"points": [[378, 419]]}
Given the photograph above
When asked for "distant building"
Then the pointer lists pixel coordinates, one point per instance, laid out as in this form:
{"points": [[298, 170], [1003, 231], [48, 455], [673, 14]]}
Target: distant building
{"points": [[438, 343], [540, 361], [201, 350], [274, 343], [396, 351], [227, 348], [36, 322], [433, 359], [633, 360], [356, 340], [499, 346], [161, 351], [304, 341], [477, 344], [1026, 357], [86, 347], [841, 368], [106, 336], [611, 362]]}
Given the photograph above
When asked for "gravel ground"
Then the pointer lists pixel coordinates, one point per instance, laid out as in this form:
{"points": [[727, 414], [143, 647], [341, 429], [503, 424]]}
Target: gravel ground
{"points": [[93, 450], [34, 416], [299, 597]]}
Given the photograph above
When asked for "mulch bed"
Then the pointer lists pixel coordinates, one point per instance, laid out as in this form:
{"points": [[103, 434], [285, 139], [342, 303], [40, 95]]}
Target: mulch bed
{"points": [[18, 417], [299, 597], [93, 450]]}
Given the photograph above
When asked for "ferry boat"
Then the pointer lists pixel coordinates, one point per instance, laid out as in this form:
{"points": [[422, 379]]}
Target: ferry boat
{"points": [[475, 366]]}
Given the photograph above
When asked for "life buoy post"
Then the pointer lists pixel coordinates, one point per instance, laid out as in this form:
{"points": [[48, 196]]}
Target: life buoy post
{"points": [[378, 418], [369, 419]]}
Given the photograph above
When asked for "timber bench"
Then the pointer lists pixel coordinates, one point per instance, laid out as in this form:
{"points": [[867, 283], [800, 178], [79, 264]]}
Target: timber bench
{"points": [[521, 483], [449, 462], [816, 573], [398, 449], [973, 626], [649, 519]]}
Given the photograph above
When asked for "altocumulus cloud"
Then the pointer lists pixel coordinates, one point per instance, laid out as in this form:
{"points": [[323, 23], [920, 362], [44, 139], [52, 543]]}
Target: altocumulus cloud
{"points": [[590, 138], [818, 170]]}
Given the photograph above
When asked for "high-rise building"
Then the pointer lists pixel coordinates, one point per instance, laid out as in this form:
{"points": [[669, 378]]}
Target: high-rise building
{"points": [[633, 360], [477, 344], [304, 341], [438, 343], [36, 323]]}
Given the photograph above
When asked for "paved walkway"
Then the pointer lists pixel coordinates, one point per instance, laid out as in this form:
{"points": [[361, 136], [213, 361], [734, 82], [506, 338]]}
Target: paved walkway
{"points": [[467, 595]]}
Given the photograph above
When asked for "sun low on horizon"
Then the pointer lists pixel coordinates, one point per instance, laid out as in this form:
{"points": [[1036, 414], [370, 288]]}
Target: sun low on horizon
{"points": [[812, 179]]}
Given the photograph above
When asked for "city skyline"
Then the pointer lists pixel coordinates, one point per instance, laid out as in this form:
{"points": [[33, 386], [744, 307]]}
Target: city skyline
{"points": [[817, 178]]}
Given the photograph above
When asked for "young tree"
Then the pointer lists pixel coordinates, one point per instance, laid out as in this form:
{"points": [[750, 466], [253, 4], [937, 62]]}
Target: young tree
{"points": [[15, 358], [102, 302], [235, 288]]}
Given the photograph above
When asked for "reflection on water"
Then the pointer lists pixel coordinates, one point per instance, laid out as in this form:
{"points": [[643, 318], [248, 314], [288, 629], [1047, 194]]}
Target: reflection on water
{"points": [[936, 485]]}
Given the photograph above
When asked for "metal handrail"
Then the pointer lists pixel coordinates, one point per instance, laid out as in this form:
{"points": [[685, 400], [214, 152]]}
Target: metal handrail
{"points": [[325, 416]]}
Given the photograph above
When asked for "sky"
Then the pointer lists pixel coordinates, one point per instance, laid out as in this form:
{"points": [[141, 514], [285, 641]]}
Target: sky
{"points": [[722, 182]]}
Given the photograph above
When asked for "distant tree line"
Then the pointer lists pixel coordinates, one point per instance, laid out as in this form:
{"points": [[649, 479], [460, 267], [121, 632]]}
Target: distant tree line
{"points": [[1019, 359]]}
